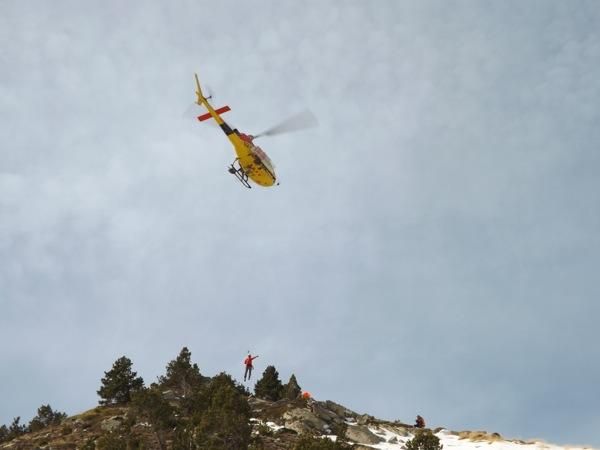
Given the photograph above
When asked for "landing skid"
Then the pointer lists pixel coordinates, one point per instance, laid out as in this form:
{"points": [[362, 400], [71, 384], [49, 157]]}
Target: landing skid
{"points": [[239, 173]]}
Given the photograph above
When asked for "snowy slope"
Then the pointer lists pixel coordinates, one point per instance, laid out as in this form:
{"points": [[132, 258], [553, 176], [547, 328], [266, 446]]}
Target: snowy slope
{"points": [[450, 440], [393, 439]]}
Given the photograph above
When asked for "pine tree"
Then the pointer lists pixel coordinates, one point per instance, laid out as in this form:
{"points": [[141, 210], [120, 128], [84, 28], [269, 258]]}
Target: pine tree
{"points": [[292, 388], [15, 429], [269, 386], [424, 439], [46, 417], [182, 376], [150, 405], [119, 383], [3, 433]]}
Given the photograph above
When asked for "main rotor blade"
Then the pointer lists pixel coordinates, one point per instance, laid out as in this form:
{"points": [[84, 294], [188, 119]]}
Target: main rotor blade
{"points": [[301, 121]]}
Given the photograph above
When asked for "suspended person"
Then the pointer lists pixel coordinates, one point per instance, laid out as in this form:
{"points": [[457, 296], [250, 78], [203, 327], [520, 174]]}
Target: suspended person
{"points": [[249, 367]]}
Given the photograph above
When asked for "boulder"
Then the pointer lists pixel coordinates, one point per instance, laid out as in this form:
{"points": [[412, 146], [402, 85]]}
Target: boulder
{"points": [[364, 419], [112, 423], [326, 414], [399, 430], [340, 410], [170, 395], [303, 421], [362, 435]]}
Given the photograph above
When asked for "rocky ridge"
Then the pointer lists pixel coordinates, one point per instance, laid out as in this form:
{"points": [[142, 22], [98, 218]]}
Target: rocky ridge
{"points": [[275, 425]]}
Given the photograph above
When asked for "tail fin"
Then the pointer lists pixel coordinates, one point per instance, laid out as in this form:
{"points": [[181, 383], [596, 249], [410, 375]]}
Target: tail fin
{"points": [[203, 101], [199, 93]]}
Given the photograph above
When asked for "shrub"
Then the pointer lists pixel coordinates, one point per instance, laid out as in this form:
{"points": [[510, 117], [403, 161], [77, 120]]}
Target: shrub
{"points": [[46, 417], [119, 383], [307, 442], [269, 386], [89, 444], [424, 439], [111, 441], [262, 429], [183, 438]]}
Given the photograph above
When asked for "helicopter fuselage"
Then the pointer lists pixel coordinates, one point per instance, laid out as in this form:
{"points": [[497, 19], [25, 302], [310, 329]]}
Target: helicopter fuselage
{"points": [[252, 159]]}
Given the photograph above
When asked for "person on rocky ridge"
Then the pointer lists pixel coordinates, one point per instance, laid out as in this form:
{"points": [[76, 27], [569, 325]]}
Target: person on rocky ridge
{"points": [[420, 422], [248, 364]]}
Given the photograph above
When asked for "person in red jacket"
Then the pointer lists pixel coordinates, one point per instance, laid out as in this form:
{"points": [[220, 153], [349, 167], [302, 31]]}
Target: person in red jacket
{"points": [[249, 367]]}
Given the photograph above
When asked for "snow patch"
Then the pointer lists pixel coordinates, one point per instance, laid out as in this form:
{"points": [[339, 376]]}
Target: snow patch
{"points": [[451, 441]]}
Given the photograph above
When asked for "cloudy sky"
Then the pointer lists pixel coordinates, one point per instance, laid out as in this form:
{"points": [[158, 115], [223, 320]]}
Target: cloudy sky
{"points": [[433, 247]]}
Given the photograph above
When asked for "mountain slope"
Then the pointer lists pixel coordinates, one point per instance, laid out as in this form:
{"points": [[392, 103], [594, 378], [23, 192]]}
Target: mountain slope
{"points": [[275, 425]]}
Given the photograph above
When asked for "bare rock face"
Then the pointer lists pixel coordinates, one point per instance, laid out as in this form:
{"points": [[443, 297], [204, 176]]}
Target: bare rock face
{"points": [[324, 417], [324, 414], [340, 410], [364, 419], [399, 430], [112, 423], [304, 421], [479, 436], [362, 435]]}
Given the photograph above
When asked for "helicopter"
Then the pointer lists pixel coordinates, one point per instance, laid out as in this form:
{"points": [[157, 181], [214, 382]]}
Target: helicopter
{"points": [[251, 162]]}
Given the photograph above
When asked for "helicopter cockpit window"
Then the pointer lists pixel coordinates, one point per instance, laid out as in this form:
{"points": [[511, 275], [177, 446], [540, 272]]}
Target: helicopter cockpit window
{"points": [[263, 157]]}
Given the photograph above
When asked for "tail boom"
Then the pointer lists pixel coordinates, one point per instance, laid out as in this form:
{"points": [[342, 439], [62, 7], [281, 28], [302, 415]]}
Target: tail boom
{"points": [[202, 100]]}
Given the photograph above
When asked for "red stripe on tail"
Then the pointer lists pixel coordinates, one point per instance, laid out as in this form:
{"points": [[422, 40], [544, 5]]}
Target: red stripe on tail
{"points": [[221, 110]]}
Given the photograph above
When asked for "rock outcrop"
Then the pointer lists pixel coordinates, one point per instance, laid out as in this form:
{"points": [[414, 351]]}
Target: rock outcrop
{"points": [[275, 426]]}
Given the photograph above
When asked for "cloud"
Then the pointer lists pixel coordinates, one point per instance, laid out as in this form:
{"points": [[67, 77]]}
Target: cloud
{"points": [[430, 249]]}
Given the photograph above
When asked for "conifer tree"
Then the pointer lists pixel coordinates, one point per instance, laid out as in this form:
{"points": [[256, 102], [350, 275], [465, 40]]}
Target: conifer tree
{"points": [[3, 433], [269, 386], [46, 417], [150, 405], [153, 408], [182, 376], [292, 388], [119, 383], [225, 422], [15, 429]]}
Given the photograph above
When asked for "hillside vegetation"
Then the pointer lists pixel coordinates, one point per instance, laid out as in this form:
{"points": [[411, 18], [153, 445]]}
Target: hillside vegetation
{"points": [[185, 410]]}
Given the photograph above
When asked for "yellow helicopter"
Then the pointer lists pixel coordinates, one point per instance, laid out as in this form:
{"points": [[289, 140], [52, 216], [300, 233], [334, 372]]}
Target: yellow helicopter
{"points": [[251, 163]]}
